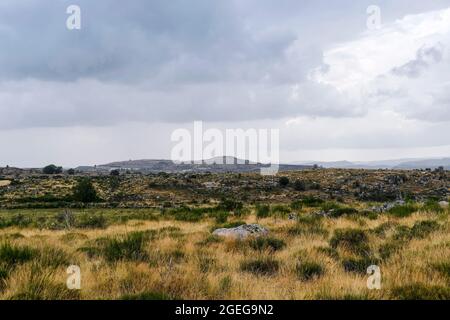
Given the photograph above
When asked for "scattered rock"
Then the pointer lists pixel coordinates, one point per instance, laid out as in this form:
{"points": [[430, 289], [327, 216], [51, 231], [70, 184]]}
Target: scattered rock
{"points": [[292, 216], [444, 204], [388, 206], [242, 232]]}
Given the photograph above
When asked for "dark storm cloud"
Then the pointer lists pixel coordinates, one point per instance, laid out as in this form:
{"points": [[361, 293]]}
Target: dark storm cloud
{"points": [[173, 61]]}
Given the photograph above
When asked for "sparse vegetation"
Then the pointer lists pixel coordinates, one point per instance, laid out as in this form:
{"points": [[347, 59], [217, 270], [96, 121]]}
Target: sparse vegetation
{"points": [[264, 266], [140, 242]]}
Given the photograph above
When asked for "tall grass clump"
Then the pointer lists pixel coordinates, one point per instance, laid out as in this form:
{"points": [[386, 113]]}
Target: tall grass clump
{"points": [[402, 211], [354, 240], [267, 244], [262, 211], [308, 270], [262, 266]]}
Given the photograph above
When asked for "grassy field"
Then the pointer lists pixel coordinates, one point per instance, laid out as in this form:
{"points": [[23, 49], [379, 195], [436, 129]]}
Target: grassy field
{"points": [[153, 254]]}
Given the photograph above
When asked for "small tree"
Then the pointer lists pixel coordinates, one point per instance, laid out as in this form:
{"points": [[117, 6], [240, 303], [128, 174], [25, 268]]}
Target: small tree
{"points": [[52, 169], [114, 172], [71, 171], [300, 185], [84, 191], [284, 181]]}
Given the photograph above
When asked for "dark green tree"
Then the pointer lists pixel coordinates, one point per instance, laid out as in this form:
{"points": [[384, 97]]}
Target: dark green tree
{"points": [[84, 191], [284, 181], [52, 169]]}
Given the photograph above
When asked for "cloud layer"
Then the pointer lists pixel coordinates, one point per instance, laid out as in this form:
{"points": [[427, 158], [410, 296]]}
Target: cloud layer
{"points": [[309, 68]]}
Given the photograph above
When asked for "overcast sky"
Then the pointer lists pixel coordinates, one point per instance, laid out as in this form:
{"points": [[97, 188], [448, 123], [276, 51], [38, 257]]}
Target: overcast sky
{"points": [[137, 70]]}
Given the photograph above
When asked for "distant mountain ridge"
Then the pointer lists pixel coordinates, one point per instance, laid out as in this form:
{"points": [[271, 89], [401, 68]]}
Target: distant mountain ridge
{"points": [[217, 164], [232, 164], [385, 164]]}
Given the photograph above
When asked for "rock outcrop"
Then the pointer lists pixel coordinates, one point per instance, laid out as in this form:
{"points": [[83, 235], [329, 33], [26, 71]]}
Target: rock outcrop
{"points": [[242, 232]]}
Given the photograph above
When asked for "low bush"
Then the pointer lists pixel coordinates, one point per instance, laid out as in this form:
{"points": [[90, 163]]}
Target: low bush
{"points": [[389, 248], [402, 211], [262, 211], [12, 256], [341, 211], [433, 206], [38, 285], [359, 264], [307, 270], [418, 291], [354, 240], [307, 225], [267, 243], [312, 202], [128, 247], [264, 266], [419, 230], [297, 205], [89, 221]]}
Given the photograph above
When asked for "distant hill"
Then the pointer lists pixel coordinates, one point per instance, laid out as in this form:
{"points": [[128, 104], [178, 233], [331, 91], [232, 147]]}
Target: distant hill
{"points": [[218, 164], [385, 164]]}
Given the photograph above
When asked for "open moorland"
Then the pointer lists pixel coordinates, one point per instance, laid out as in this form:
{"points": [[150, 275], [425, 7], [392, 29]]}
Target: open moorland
{"points": [[150, 236]]}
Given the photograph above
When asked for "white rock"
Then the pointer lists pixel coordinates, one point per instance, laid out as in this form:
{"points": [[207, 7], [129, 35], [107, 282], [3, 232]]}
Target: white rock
{"points": [[242, 232], [443, 204]]}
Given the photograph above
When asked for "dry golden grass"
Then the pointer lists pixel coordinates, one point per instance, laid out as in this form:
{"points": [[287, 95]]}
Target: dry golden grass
{"points": [[182, 265]]}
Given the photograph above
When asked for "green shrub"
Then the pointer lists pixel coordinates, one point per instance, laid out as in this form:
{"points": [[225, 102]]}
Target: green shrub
{"points": [[39, 286], [52, 258], [383, 228], [283, 181], [330, 252], [261, 266], [418, 291], [300, 185], [359, 264], [403, 210], [230, 205], [88, 221], [262, 211], [52, 169], [433, 206], [280, 210], [420, 230], [387, 249], [267, 243], [329, 205], [210, 239], [221, 216], [354, 240], [126, 247], [340, 211], [308, 270], [12, 256], [296, 205], [307, 225], [84, 191], [312, 202]]}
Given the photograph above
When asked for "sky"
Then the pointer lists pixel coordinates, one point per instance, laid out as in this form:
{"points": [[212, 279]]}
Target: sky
{"points": [[335, 86]]}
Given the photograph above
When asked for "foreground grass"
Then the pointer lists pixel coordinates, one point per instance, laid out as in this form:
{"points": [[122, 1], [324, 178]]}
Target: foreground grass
{"points": [[141, 255]]}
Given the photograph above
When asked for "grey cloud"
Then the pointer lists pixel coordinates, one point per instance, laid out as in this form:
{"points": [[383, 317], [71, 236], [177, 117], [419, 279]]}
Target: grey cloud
{"points": [[425, 57]]}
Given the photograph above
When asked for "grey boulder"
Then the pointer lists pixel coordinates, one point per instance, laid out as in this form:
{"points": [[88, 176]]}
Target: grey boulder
{"points": [[241, 232]]}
